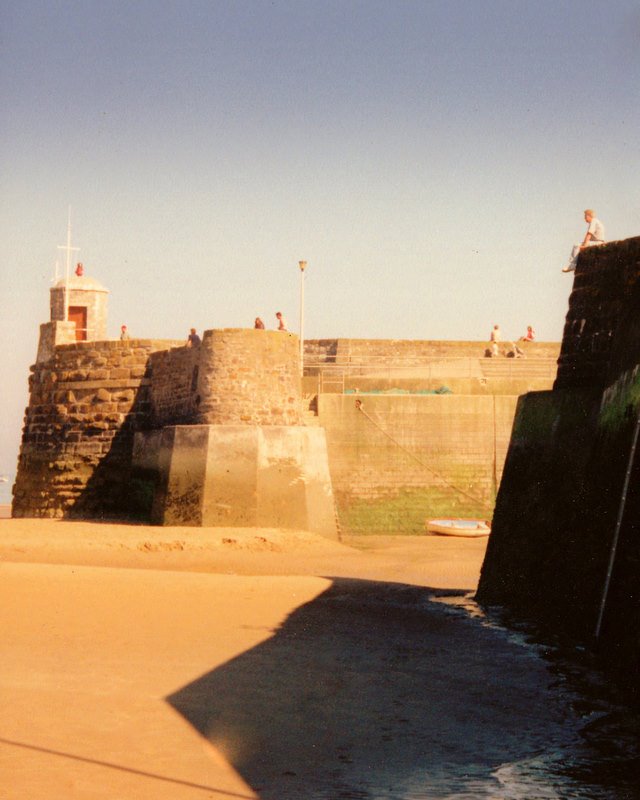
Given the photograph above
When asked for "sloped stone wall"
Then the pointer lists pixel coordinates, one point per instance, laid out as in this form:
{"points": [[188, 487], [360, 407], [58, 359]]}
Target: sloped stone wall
{"points": [[571, 484], [605, 281]]}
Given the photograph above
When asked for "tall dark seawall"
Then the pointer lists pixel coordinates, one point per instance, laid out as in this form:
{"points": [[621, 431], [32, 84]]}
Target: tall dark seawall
{"points": [[565, 546]]}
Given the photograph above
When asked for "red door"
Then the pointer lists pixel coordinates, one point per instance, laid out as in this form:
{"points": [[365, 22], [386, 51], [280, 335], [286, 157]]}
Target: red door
{"points": [[78, 314]]}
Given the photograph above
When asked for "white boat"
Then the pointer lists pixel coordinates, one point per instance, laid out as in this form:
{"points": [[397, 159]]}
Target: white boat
{"points": [[4, 479], [450, 526]]}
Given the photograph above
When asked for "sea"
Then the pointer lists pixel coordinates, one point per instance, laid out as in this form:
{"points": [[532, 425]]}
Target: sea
{"points": [[5, 493]]}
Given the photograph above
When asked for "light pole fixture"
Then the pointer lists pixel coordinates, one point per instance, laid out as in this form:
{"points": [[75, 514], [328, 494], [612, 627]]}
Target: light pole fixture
{"points": [[303, 266]]}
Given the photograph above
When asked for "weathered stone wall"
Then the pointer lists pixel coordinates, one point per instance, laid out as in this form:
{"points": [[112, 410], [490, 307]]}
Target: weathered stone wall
{"points": [[345, 351], [468, 376], [561, 503], [320, 350], [539, 557], [396, 460], [604, 282], [88, 293], [85, 404], [248, 377], [173, 390], [51, 335], [338, 365], [89, 398], [238, 476]]}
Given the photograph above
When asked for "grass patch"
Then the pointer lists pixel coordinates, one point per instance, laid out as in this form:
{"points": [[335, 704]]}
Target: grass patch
{"points": [[404, 513]]}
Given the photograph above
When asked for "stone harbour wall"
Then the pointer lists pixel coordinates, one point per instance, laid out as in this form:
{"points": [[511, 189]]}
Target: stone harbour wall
{"points": [[569, 502], [397, 460], [343, 352], [599, 309], [172, 392], [248, 377], [88, 399], [85, 404]]}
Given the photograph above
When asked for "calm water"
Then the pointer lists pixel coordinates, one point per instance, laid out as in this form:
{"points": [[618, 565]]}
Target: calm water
{"points": [[595, 755], [5, 491]]}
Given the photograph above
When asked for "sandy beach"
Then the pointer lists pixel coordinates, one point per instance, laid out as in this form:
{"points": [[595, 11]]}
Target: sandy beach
{"points": [[144, 662]]}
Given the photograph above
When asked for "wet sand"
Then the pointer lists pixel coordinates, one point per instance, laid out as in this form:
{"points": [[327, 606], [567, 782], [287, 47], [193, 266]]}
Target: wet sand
{"points": [[439, 561], [141, 662]]}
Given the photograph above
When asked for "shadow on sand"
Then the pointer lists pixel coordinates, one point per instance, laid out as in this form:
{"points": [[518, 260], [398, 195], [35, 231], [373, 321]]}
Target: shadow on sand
{"points": [[372, 690]]}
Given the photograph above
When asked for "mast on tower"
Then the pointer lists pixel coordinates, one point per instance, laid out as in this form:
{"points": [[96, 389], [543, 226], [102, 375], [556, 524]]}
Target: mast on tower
{"points": [[68, 250]]}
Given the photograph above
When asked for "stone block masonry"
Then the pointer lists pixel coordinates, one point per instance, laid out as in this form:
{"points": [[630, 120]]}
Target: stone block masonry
{"points": [[140, 429], [248, 377], [173, 390], [565, 545], [85, 404], [235, 377], [343, 352], [51, 335], [339, 365], [600, 308], [410, 457], [88, 399]]}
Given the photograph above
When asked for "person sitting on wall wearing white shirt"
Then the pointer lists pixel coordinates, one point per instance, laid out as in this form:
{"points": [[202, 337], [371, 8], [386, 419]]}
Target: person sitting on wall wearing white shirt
{"points": [[593, 236]]}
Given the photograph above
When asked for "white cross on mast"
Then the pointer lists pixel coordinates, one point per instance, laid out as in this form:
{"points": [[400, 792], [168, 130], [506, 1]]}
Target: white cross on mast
{"points": [[69, 250]]}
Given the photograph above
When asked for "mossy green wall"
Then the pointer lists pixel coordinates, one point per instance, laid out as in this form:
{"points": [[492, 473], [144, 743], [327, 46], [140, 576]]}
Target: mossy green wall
{"points": [[396, 460], [562, 501], [538, 541]]}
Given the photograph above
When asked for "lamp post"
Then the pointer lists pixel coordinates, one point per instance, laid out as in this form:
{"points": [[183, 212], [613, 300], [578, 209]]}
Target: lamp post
{"points": [[303, 266]]}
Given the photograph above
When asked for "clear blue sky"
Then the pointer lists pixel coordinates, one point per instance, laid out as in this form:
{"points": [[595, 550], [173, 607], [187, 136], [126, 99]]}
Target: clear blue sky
{"points": [[430, 160]]}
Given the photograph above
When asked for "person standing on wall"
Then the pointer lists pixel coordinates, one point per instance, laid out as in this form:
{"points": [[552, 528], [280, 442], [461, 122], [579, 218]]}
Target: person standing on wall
{"points": [[282, 323], [193, 340], [593, 236]]}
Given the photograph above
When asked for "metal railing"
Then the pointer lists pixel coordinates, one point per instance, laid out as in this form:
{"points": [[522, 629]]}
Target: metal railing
{"points": [[332, 376]]}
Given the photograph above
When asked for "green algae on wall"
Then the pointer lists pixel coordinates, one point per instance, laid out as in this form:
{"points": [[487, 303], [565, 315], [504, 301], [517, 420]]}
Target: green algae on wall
{"points": [[619, 398], [398, 460], [406, 512], [567, 517], [536, 557]]}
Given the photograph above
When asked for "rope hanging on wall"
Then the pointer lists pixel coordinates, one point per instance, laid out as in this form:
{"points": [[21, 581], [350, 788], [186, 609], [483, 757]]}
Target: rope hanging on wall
{"points": [[483, 503]]}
